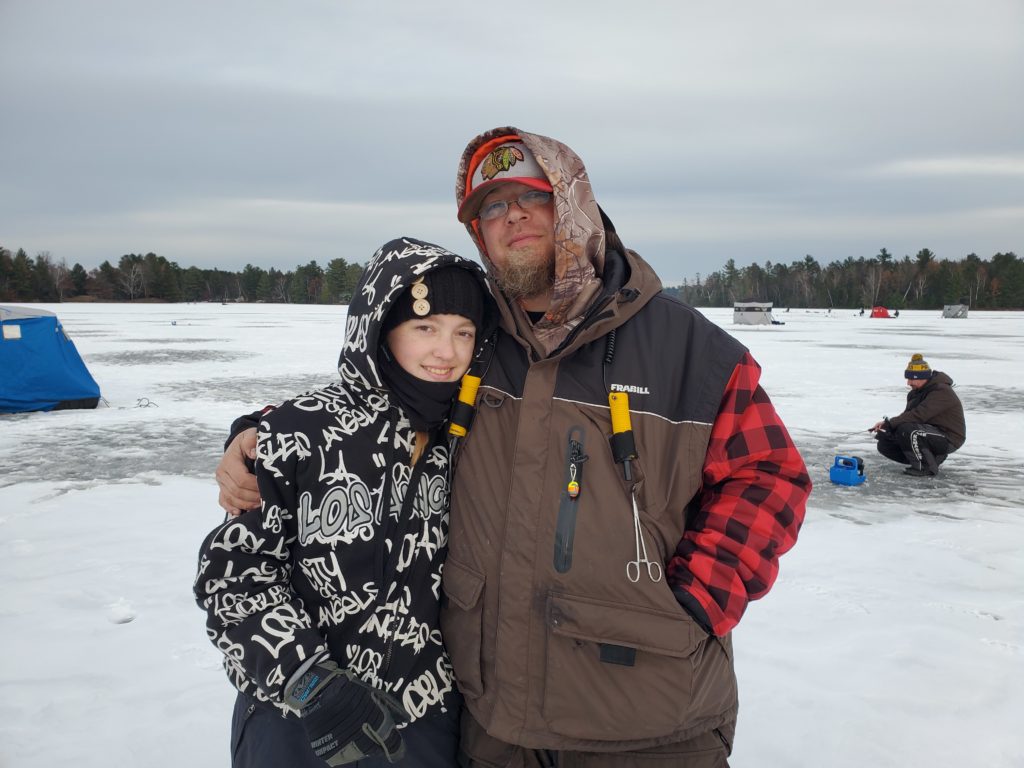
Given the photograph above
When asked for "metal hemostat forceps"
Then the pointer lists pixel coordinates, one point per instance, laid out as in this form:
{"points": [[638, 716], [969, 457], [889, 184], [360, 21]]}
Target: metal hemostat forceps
{"points": [[633, 566], [624, 451]]}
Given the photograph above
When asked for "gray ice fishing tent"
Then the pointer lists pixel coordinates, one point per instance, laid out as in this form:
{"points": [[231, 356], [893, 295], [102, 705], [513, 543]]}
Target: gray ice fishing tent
{"points": [[955, 310], [40, 369], [753, 313]]}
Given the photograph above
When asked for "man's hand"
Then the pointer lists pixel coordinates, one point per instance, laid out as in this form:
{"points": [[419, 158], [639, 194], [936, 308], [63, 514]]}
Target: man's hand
{"points": [[882, 426], [238, 489], [345, 719]]}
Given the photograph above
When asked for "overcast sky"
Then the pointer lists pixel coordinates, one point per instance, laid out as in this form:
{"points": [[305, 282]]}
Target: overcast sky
{"points": [[217, 132]]}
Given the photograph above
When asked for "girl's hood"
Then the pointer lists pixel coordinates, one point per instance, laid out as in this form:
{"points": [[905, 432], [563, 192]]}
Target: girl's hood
{"points": [[393, 268]]}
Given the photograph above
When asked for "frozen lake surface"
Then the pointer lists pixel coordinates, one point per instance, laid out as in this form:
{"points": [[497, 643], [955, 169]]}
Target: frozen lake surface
{"points": [[893, 637]]}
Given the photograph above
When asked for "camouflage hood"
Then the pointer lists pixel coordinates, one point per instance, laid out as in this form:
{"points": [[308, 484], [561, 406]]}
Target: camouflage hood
{"points": [[579, 233]]}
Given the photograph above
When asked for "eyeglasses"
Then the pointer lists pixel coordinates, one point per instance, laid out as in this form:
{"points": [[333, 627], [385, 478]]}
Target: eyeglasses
{"points": [[530, 199]]}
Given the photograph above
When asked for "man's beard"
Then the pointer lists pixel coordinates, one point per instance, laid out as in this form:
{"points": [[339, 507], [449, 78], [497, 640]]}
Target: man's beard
{"points": [[524, 279]]}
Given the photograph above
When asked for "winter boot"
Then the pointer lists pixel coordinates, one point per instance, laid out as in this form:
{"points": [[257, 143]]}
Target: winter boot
{"points": [[928, 459], [917, 472]]}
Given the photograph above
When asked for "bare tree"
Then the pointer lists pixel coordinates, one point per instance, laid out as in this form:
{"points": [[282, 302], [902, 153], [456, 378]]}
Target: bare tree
{"points": [[919, 284], [61, 276], [979, 282], [872, 285], [131, 280], [804, 283], [280, 290], [925, 265]]}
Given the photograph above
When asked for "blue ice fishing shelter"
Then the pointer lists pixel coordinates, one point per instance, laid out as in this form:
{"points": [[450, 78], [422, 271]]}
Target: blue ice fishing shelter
{"points": [[40, 369]]}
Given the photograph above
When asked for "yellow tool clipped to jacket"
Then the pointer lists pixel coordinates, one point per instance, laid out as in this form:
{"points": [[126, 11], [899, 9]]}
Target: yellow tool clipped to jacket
{"points": [[622, 441], [462, 411]]}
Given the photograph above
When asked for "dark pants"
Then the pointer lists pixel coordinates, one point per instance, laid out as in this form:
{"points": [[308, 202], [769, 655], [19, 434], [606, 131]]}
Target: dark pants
{"points": [[261, 738], [922, 446], [480, 750]]}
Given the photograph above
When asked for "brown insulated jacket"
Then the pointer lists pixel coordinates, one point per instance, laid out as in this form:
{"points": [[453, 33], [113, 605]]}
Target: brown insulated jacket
{"points": [[937, 404], [553, 644]]}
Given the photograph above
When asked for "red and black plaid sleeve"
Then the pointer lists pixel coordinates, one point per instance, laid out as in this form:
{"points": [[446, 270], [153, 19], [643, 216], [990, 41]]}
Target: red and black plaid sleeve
{"points": [[751, 506]]}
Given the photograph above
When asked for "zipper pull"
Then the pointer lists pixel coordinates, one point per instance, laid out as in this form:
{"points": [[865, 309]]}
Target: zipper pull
{"points": [[576, 458], [573, 487]]}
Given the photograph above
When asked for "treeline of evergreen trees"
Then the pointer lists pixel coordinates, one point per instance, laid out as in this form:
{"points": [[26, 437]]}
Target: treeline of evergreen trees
{"points": [[922, 282], [151, 277]]}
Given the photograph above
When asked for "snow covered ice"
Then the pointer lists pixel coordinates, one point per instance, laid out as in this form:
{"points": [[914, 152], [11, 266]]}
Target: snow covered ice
{"points": [[893, 637]]}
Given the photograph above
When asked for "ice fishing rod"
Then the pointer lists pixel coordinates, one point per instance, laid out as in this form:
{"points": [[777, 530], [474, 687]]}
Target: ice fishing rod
{"points": [[853, 434]]}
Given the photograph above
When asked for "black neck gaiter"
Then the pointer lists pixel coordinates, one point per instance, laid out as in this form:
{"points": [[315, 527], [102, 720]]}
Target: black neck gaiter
{"points": [[426, 403]]}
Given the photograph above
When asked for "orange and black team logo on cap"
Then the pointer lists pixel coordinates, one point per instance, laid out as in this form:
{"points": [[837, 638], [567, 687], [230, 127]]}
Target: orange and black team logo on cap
{"points": [[500, 160]]}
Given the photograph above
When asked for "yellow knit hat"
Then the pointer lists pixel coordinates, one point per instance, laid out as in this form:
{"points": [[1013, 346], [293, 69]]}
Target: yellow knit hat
{"points": [[918, 367]]}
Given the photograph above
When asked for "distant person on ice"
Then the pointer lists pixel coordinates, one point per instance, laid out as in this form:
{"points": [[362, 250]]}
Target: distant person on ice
{"points": [[931, 427]]}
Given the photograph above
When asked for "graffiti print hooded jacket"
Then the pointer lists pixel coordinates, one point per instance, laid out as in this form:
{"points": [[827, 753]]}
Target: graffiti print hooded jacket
{"points": [[345, 555], [561, 635]]}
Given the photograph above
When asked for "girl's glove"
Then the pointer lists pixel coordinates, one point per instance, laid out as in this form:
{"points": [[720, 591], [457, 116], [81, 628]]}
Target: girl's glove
{"points": [[345, 719]]}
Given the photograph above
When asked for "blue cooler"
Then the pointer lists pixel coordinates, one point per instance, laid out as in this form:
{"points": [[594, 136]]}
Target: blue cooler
{"points": [[847, 470]]}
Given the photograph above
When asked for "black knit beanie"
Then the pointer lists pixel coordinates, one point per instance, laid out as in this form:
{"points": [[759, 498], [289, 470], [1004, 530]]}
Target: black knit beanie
{"points": [[444, 291]]}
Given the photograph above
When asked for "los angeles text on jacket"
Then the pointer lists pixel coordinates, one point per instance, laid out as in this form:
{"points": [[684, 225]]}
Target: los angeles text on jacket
{"points": [[347, 551]]}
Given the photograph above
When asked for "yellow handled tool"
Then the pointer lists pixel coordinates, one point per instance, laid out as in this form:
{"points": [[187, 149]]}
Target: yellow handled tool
{"points": [[619, 404], [462, 411], [623, 444]]}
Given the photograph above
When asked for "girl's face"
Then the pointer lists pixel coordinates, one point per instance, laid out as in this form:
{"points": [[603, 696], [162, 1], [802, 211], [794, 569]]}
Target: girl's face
{"points": [[434, 348]]}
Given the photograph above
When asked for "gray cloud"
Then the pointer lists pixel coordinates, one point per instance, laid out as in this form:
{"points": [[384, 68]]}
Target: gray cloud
{"points": [[224, 133]]}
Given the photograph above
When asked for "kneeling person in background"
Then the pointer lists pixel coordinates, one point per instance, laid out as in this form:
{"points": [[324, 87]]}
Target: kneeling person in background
{"points": [[930, 428]]}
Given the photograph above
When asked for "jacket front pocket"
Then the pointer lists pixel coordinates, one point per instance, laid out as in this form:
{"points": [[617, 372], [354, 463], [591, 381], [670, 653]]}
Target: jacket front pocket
{"points": [[618, 672], [461, 624]]}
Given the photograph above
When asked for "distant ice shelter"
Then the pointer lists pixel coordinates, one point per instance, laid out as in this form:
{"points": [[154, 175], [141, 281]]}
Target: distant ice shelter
{"points": [[958, 311], [753, 313], [42, 370], [880, 312]]}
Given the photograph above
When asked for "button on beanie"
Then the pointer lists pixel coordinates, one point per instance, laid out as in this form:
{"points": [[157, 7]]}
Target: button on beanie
{"points": [[918, 368], [444, 291]]}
